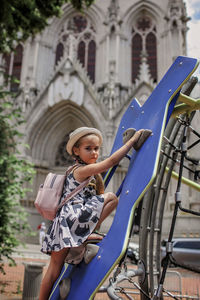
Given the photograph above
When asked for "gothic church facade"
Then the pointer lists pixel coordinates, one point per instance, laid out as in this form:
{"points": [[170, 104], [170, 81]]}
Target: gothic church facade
{"points": [[84, 69]]}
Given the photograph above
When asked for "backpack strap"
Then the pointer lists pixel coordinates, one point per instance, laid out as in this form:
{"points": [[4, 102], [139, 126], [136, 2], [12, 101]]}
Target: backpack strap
{"points": [[77, 189]]}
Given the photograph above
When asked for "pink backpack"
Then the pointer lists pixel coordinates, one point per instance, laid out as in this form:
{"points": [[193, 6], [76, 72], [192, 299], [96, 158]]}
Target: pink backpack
{"points": [[48, 197]]}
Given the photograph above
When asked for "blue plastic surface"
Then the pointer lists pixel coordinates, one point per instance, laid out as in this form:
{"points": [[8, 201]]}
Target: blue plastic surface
{"points": [[153, 115]]}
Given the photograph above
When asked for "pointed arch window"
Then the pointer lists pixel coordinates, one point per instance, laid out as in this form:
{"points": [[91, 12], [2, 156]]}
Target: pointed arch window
{"points": [[13, 66], [81, 53], [136, 55], [144, 43], [151, 54], [59, 52], [84, 42], [91, 60]]}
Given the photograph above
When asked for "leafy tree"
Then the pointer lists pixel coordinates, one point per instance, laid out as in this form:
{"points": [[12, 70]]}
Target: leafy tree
{"points": [[20, 19], [14, 172]]}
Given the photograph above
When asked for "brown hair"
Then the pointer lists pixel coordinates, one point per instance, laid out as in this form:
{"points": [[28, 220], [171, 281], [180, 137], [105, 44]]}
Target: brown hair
{"points": [[99, 184]]}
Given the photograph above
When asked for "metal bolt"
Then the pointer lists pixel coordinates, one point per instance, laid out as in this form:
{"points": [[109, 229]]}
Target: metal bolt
{"points": [[169, 90], [143, 112], [132, 106], [127, 192], [181, 63], [99, 257], [122, 127]]}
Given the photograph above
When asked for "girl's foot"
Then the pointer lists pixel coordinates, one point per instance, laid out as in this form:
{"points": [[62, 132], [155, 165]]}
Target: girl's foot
{"points": [[95, 236]]}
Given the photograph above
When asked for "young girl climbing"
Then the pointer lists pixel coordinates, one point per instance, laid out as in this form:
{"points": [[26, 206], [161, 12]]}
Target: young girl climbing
{"points": [[77, 220]]}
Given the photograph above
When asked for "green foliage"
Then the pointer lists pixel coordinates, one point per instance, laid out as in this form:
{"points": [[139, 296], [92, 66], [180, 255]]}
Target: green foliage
{"points": [[14, 173], [19, 19], [19, 291]]}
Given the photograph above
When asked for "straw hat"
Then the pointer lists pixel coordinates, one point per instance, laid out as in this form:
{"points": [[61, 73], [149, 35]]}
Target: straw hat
{"points": [[80, 132]]}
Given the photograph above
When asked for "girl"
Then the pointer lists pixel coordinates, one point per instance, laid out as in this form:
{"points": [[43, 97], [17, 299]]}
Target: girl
{"points": [[80, 216]]}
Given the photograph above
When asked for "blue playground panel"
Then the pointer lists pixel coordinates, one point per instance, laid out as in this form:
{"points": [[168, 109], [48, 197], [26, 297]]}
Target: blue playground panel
{"points": [[154, 115]]}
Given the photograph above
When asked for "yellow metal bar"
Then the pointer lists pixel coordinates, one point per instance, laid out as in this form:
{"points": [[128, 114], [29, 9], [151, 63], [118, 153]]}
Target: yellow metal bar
{"points": [[186, 181], [187, 99], [185, 108], [185, 104]]}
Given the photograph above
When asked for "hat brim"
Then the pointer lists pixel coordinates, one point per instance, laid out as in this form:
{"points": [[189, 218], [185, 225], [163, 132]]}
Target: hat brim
{"points": [[81, 132]]}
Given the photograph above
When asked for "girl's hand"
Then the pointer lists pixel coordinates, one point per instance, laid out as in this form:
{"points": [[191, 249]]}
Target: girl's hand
{"points": [[139, 138], [136, 136]]}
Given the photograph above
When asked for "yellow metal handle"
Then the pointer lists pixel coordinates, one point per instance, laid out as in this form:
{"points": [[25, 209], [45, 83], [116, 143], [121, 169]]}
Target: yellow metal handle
{"points": [[187, 106]]}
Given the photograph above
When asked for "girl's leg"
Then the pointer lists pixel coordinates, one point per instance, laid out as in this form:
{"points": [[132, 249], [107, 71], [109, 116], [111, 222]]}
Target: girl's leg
{"points": [[110, 203], [53, 271]]}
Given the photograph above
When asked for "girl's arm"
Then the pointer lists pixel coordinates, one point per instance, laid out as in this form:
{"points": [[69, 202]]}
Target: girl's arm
{"points": [[85, 171]]}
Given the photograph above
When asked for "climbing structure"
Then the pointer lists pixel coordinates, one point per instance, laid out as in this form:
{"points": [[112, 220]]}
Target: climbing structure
{"points": [[143, 167]]}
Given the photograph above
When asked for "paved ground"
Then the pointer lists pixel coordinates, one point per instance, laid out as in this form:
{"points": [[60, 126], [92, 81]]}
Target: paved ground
{"points": [[11, 284]]}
